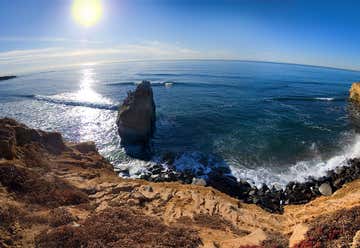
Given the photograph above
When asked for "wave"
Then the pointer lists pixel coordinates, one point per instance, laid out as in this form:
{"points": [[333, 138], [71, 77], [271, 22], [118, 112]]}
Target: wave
{"points": [[121, 84], [200, 165], [304, 98], [310, 82], [192, 75], [173, 83], [153, 84], [301, 171], [71, 102]]}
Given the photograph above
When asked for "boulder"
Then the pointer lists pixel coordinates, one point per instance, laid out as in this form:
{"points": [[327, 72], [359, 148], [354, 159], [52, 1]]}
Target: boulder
{"points": [[198, 181], [325, 189], [136, 117], [355, 92]]}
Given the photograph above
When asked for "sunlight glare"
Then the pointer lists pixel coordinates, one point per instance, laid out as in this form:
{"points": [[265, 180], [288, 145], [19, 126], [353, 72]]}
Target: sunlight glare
{"points": [[87, 12], [86, 92]]}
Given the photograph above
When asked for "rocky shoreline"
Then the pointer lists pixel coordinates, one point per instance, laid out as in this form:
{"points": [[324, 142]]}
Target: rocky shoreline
{"points": [[271, 199]]}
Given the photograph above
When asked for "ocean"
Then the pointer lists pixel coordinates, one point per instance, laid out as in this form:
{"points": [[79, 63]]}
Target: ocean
{"points": [[269, 122]]}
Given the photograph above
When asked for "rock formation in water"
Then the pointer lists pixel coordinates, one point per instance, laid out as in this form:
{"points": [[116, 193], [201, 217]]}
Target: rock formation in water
{"points": [[59, 194], [136, 117], [6, 78], [355, 92]]}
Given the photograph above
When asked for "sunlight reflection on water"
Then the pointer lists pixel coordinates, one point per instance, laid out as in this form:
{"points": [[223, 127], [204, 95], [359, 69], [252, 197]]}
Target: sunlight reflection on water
{"points": [[86, 92], [91, 120]]}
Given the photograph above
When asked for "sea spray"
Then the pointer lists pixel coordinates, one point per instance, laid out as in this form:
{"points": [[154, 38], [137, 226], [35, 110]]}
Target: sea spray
{"points": [[300, 171]]}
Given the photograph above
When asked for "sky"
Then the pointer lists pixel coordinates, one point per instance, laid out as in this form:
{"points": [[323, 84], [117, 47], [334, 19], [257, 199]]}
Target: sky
{"points": [[41, 34]]}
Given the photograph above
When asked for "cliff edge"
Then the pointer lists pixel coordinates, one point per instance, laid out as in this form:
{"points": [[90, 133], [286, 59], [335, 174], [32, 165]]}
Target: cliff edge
{"points": [[59, 194]]}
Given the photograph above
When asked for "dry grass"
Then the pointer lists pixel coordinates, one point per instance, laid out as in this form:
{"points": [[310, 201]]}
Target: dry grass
{"points": [[119, 227], [31, 187], [60, 216], [335, 230]]}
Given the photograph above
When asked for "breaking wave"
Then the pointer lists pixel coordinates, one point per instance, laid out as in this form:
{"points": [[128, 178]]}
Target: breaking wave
{"points": [[299, 172], [68, 101], [301, 98]]}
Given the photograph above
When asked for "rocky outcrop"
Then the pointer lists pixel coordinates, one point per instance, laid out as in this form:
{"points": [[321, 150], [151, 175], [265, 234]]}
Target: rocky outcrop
{"points": [[136, 118], [355, 92], [6, 78], [13, 133]]}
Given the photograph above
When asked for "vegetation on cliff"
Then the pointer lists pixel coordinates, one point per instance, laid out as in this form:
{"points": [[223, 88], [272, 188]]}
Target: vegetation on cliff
{"points": [[58, 194]]}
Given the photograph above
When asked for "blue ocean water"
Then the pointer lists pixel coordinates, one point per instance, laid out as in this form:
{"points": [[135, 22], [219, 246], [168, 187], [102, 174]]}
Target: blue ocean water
{"points": [[268, 122]]}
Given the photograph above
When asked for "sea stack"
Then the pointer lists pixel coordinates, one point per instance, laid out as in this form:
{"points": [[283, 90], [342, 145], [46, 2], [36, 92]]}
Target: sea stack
{"points": [[355, 92], [136, 119]]}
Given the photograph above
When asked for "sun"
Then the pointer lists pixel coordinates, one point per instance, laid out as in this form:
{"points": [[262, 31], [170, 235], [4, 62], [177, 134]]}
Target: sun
{"points": [[87, 12]]}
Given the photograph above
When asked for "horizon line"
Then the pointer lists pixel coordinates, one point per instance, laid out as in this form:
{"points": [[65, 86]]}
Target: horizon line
{"points": [[65, 67]]}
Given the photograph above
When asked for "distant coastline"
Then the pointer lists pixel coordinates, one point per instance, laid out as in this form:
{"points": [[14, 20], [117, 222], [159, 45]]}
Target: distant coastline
{"points": [[6, 78]]}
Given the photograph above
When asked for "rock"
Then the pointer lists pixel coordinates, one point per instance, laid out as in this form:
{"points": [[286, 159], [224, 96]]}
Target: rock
{"points": [[325, 189], [86, 147], [53, 142], [355, 92], [228, 184], [13, 133], [298, 193], [136, 119], [198, 181], [338, 183], [147, 188]]}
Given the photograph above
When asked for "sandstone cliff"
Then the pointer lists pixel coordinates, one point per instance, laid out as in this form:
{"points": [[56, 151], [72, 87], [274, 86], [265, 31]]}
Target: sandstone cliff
{"points": [[355, 92], [58, 194]]}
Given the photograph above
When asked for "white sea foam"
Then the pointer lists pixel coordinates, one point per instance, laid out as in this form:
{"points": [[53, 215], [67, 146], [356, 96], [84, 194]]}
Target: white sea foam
{"points": [[200, 166], [300, 171], [71, 99], [325, 98]]}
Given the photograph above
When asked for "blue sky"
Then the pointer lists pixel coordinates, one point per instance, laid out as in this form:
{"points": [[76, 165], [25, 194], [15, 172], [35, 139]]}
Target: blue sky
{"points": [[37, 34]]}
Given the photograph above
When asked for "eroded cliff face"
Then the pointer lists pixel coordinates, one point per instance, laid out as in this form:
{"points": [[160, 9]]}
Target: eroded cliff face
{"points": [[58, 194], [355, 92]]}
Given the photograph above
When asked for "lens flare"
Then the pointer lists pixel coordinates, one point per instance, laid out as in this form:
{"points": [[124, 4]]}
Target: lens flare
{"points": [[87, 12]]}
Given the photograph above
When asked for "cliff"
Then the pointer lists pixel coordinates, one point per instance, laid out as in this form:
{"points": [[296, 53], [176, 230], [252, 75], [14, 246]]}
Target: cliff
{"points": [[59, 194], [355, 92]]}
